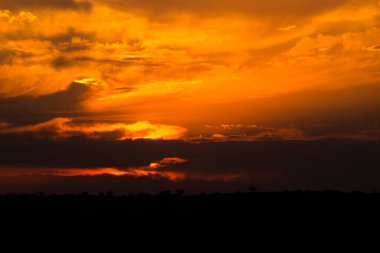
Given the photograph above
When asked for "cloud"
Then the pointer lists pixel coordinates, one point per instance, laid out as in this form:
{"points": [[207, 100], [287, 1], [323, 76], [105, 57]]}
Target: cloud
{"points": [[71, 38], [190, 63], [283, 134], [142, 171], [307, 132], [33, 108], [10, 57], [23, 17], [274, 165], [66, 128], [76, 44], [15, 5], [3, 125], [64, 62], [286, 28], [374, 48], [251, 132], [344, 113], [248, 7]]}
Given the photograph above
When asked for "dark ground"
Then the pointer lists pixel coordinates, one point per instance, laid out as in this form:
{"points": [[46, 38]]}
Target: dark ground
{"points": [[174, 215], [253, 201]]}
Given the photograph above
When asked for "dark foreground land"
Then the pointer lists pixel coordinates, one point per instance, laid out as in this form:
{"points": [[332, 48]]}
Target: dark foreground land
{"points": [[176, 211], [255, 201]]}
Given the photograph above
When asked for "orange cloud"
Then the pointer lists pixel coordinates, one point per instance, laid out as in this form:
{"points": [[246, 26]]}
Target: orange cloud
{"points": [[286, 28], [159, 169], [23, 17], [134, 172], [143, 171], [64, 128]]}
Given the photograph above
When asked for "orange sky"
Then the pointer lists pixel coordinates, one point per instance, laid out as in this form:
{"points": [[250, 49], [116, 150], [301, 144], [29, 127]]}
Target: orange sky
{"points": [[279, 68]]}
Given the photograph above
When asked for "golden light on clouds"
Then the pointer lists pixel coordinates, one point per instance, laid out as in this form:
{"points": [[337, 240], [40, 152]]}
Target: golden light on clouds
{"points": [[122, 94], [20, 18], [181, 64], [64, 128]]}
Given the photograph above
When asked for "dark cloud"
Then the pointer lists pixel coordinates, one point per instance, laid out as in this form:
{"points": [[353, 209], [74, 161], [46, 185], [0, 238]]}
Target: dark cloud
{"points": [[344, 165], [68, 35], [70, 40], [28, 108], [73, 47], [64, 62], [80, 152], [9, 56], [45, 4]]}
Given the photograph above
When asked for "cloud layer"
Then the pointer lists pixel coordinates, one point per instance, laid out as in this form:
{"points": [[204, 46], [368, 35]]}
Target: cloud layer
{"points": [[65, 128], [248, 7], [247, 89], [172, 62], [45, 4], [277, 165]]}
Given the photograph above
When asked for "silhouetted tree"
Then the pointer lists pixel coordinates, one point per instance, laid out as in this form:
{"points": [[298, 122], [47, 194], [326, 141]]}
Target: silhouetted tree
{"points": [[179, 192], [109, 194], [252, 188], [165, 194]]}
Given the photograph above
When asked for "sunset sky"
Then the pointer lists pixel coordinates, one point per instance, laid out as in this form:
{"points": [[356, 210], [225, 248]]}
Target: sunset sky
{"points": [[183, 93]]}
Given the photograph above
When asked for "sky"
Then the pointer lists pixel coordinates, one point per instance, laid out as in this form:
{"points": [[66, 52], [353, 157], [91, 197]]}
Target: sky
{"points": [[145, 95]]}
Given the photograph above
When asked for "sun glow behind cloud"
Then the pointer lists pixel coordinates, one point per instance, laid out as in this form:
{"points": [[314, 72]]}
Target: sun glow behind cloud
{"points": [[65, 128]]}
